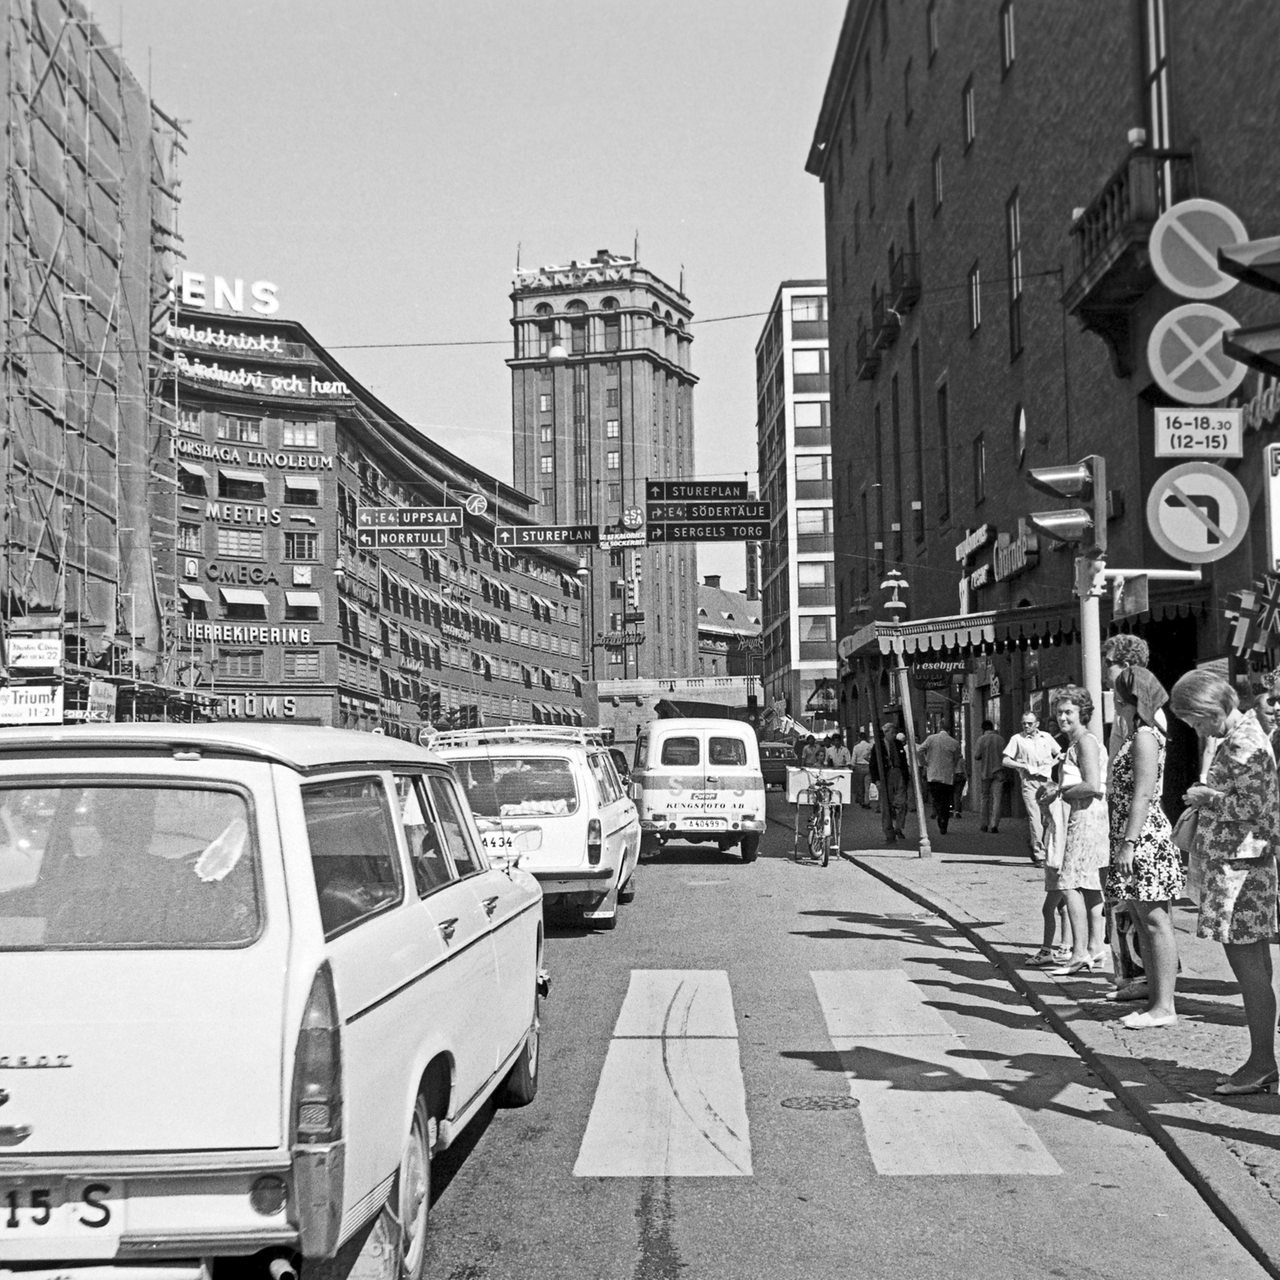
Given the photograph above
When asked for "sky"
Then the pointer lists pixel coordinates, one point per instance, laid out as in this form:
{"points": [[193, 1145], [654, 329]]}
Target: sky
{"points": [[385, 161]]}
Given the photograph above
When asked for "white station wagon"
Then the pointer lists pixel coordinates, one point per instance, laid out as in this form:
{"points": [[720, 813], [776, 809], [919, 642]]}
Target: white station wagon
{"points": [[253, 979], [550, 796]]}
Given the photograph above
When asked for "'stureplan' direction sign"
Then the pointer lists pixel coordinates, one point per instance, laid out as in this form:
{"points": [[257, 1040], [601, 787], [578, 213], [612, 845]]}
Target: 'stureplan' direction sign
{"points": [[545, 535]]}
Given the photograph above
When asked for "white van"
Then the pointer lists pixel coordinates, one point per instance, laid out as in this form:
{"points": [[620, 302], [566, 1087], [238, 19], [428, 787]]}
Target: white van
{"points": [[253, 978], [699, 779]]}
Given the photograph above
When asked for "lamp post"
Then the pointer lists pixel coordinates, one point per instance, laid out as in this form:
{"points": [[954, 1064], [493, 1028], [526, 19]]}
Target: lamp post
{"points": [[586, 616], [894, 583]]}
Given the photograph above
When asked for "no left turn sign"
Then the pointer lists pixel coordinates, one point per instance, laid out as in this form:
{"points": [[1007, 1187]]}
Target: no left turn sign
{"points": [[1186, 358], [1198, 513]]}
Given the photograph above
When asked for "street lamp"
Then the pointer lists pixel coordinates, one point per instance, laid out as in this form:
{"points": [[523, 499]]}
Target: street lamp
{"points": [[586, 616]]}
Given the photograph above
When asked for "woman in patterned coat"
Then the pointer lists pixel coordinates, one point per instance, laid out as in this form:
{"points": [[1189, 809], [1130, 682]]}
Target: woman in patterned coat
{"points": [[1239, 817]]}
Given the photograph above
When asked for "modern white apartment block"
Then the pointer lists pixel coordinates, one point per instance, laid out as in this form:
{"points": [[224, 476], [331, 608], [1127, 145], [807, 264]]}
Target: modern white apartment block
{"points": [[793, 428]]}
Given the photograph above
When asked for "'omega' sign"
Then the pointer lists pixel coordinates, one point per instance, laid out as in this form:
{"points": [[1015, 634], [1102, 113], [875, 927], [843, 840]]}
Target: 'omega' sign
{"points": [[215, 293]]}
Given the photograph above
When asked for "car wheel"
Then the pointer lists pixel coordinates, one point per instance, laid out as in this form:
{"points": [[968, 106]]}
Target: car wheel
{"points": [[628, 891], [750, 846], [649, 846], [521, 1085], [411, 1196]]}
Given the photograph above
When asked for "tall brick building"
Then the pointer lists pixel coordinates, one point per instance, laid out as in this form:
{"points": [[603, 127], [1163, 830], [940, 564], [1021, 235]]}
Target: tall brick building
{"points": [[601, 400], [991, 172]]}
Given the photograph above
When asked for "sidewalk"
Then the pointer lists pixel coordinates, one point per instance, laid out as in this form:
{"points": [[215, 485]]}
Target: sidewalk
{"points": [[985, 885]]}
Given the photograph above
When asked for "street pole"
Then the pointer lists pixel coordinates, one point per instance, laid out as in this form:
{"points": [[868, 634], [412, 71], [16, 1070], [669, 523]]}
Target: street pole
{"points": [[909, 723], [1090, 584]]}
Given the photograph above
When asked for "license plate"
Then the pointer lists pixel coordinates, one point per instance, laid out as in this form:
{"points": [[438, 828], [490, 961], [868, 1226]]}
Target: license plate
{"points": [[523, 841], [706, 824], [36, 1209]]}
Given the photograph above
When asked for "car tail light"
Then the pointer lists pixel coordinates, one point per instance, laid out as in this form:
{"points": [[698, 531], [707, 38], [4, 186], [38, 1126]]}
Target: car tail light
{"points": [[317, 1066], [595, 842]]}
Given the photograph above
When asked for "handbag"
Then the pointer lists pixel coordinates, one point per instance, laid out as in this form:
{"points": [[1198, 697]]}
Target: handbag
{"points": [[1184, 830]]}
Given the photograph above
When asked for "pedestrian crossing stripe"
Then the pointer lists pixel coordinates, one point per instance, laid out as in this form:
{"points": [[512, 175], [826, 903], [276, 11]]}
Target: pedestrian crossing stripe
{"points": [[671, 1099]]}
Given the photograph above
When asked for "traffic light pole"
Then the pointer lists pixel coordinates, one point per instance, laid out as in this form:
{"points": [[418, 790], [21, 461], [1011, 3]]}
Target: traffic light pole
{"points": [[1090, 584]]}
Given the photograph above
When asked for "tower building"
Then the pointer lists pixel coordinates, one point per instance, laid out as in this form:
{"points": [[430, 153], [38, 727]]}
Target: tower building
{"points": [[601, 401]]}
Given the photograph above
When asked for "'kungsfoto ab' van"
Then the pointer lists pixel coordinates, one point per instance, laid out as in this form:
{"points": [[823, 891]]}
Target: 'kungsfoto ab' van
{"points": [[699, 779]]}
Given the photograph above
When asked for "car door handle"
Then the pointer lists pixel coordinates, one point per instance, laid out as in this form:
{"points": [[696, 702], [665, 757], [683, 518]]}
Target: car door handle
{"points": [[490, 906], [447, 928]]}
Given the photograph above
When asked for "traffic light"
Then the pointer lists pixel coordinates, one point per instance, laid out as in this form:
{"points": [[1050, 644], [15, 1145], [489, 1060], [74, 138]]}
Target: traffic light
{"points": [[1085, 481], [1257, 263]]}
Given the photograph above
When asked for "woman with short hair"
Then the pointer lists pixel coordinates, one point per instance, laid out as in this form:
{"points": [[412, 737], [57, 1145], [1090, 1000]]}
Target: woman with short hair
{"points": [[1238, 819], [1146, 867]]}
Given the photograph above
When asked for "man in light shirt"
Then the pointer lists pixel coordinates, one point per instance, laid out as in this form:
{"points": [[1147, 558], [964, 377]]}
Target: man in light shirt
{"points": [[1031, 754], [940, 755], [861, 760]]}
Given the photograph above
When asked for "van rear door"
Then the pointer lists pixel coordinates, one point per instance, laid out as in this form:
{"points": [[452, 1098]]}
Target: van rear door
{"points": [[143, 947]]}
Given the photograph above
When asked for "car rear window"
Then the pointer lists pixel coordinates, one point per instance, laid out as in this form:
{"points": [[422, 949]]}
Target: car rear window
{"points": [[506, 787], [681, 751], [126, 867], [727, 751]]}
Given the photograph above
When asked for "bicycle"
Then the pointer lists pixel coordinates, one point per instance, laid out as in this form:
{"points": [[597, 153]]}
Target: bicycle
{"points": [[822, 831]]}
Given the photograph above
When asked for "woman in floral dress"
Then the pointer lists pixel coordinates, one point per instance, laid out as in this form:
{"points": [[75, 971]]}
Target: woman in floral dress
{"points": [[1239, 817], [1146, 867], [1087, 849]]}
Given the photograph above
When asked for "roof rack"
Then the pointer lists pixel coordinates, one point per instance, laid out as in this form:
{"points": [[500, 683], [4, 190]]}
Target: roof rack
{"points": [[519, 733]]}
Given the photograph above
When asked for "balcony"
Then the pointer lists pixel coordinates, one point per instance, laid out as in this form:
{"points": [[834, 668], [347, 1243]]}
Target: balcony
{"points": [[904, 282], [867, 363], [886, 324], [1113, 267]]}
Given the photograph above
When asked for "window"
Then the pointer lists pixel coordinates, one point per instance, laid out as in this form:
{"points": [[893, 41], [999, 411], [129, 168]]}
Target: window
{"points": [[612, 429], [944, 455], [240, 430], [242, 543], [808, 308], [908, 108], [241, 486], [937, 179], [1006, 37], [302, 606], [612, 334], [975, 297], [814, 627], [812, 423], [612, 397], [613, 460], [685, 753], [301, 491], [546, 433], [544, 402], [813, 573], [808, 360], [614, 492], [240, 664], [302, 664], [353, 851], [968, 119], [577, 338], [431, 868], [546, 464], [301, 544], [1013, 235], [189, 421], [979, 468], [190, 537], [931, 29], [547, 497], [300, 435]]}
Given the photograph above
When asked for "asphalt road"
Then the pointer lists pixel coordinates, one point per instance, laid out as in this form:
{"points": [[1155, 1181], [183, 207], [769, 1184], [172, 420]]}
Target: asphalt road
{"points": [[792, 1071]]}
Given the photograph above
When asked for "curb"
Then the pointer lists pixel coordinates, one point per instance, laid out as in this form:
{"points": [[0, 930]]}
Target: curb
{"points": [[1245, 1208]]}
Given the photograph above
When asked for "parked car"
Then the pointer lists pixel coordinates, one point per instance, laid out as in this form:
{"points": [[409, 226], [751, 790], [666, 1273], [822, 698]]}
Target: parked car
{"points": [[700, 779], [550, 796], [254, 979], [774, 759]]}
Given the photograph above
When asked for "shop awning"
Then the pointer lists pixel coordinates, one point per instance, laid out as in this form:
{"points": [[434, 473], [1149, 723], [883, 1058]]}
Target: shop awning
{"points": [[193, 468], [1038, 622], [245, 477], [302, 599], [302, 482], [927, 635], [194, 592], [244, 595]]}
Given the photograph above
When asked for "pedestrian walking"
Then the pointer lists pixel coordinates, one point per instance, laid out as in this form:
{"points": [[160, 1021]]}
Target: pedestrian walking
{"points": [[838, 755], [1086, 847], [1031, 755], [889, 771], [940, 756], [813, 754], [1238, 821], [988, 763], [1146, 867], [861, 765]]}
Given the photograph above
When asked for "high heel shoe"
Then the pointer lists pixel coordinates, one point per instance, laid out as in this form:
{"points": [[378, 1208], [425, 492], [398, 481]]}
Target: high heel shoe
{"points": [[1087, 965], [1229, 1088]]}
